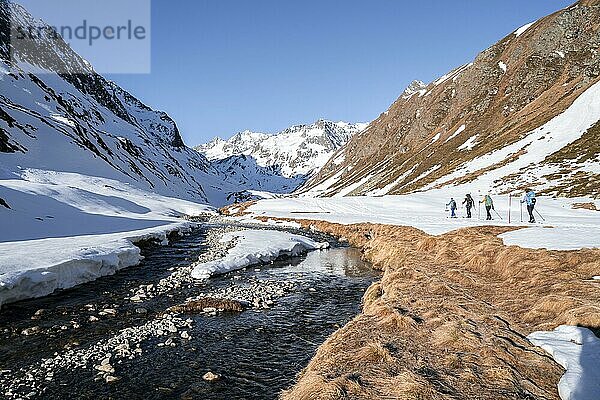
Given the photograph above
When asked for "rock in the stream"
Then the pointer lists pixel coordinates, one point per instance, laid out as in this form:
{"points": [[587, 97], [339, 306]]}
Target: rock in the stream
{"points": [[30, 331], [39, 313], [105, 368], [211, 376]]}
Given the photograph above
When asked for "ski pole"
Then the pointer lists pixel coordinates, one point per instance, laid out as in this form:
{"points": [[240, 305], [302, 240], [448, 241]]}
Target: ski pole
{"points": [[538, 213], [521, 212], [498, 215], [479, 212], [509, 207]]}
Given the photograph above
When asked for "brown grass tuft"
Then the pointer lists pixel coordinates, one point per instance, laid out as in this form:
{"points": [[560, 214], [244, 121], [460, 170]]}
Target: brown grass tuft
{"points": [[372, 295], [585, 206], [390, 318]]}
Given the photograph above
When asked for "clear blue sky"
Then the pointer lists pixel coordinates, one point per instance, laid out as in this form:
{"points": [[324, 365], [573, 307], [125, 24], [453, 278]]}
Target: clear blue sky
{"points": [[221, 66]]}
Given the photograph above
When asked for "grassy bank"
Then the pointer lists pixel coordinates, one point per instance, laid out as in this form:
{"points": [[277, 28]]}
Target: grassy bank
{"points": [[450, 316]]}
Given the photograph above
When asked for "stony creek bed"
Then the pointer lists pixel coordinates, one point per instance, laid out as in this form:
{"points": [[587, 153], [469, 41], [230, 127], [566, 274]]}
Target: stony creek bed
{"points": [[113, 338]]}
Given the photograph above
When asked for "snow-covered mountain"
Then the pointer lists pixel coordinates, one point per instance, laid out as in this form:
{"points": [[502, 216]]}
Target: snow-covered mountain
{"points": [[525, 112], [82, 123], [278, 163]]}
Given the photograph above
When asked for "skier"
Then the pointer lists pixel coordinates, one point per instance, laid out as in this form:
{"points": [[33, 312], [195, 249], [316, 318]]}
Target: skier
{"points": [[453, 207], [469, 203], [530, 200], [489, 206]]}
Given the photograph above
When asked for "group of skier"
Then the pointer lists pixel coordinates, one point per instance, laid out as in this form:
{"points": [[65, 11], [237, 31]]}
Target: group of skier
{"points": [[469, 203]]}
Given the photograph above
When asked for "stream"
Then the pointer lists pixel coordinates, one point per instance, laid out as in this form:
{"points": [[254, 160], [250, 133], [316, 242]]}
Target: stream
{"points": [[258, 352]]}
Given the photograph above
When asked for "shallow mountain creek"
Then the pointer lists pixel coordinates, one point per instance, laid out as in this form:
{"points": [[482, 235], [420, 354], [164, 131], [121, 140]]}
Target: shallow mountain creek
{"points": [[94, 341]]}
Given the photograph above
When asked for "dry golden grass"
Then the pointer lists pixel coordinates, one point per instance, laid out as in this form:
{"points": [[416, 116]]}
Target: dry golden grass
{"points": [[586, 206], [449, 317], [236, 209]]}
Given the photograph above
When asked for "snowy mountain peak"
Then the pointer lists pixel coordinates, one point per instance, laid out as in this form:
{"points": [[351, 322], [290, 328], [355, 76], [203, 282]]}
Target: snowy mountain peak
{"points": [[279, 162], [415, 87]]}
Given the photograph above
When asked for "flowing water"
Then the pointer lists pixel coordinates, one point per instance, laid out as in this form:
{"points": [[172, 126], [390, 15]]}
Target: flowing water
{"points": [[258, 353]]}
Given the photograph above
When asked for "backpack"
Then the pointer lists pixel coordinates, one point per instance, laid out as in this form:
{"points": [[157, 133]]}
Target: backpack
{"points": [[531, 197]]}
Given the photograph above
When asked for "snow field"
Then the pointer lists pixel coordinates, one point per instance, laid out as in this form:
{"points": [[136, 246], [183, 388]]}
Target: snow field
{"points": [[65, 229], [565, 228]]}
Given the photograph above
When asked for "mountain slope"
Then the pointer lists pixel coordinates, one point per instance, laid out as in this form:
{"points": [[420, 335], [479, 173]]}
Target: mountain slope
{"points": [[525, 112], [104, 130], [278, 163]]}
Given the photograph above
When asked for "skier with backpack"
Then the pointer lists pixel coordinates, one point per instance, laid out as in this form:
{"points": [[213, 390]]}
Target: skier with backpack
{"points": [[530, 200], [489, 206], [453, 207], [469, 203]]}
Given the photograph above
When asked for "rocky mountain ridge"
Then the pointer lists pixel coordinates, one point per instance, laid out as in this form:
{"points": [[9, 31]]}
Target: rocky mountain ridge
{"points": [[53, 104], [525, 112], [281, 162]]}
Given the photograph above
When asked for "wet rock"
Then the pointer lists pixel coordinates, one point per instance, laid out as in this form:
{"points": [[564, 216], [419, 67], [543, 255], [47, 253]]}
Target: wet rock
{"points": [[39, 313], [31, 331], [107, 368], [211, 377]]}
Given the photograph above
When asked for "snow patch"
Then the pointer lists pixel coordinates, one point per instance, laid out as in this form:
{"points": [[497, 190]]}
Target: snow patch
{"points": [[350, 188], [455, 134], [427, 173], [469, 144], [386, 189], [38, 268], [67, 229], [573, 228], [256, 247], [63, 120], [522, 29], [561, 238], [536, 145], [578, 351]]}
